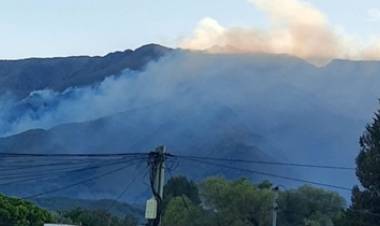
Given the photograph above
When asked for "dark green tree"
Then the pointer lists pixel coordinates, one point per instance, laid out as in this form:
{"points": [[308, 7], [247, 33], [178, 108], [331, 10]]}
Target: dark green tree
{"points": [[265, 185], [182, 212], [180, 186], [237, 203], [310, 206], [365, 208]]}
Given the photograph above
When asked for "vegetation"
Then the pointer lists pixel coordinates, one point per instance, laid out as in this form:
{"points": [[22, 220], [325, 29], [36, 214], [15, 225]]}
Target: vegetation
{"points": [[95, 218], [365, 208], [17, 212], [310, 206], [181, 211], [241, 203], [180, 186]]}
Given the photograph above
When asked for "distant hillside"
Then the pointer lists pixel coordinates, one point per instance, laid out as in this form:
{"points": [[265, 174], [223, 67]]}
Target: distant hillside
{"points": [[114, 207], [20, 77]]}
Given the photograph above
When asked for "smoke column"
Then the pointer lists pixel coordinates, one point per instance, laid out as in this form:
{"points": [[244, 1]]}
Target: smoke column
{"points": [[297, 28]]}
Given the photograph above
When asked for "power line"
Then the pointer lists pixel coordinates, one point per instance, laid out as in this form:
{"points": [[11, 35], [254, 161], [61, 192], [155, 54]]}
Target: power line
{"points": [[121, 193], [34, 177], [8, 154], [32, 166], [76, 184], [266, 162], [271, 175], [59, 166], [18, 164], [46, 164]]}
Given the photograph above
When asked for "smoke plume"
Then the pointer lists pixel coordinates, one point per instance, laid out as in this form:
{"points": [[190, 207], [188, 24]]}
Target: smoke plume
{"points": [[297, 28]]}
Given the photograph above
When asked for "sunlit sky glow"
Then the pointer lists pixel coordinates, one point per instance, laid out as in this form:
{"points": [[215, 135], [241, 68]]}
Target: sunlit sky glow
{"points": [[42, 28]]}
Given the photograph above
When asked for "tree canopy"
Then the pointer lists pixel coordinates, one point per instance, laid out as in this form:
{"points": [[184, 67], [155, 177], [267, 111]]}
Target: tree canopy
{"points": [[310, 206], [242, 203], [179, 186], [365, 208], [182, 211], [18, 212]]}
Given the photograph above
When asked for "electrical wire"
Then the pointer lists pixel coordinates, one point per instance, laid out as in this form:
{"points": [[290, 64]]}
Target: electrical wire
{"points": [[270, 174], [76, 184], [41, 178], [25, 170], [122, 193], [20, 166], [266, 162], [8, 154]]}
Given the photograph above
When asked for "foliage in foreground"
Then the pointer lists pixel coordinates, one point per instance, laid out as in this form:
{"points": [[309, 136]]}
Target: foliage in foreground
{"points": [[365, 208], [241, 203], [17, 212], [95, 218]]}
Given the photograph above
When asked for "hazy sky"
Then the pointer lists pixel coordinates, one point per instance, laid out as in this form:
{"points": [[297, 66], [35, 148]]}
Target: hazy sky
{"points": [[95, 27]]}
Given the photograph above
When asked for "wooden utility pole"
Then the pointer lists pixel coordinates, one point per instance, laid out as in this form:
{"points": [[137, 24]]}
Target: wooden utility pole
{"points": [[156, 163], [275, 206]]}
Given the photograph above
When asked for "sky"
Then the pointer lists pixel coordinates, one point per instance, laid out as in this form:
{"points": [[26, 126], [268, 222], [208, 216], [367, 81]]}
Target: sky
{"points": [[45, 28]]}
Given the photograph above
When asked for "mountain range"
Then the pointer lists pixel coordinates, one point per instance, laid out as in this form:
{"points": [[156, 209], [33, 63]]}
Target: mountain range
{"points": [[21, 77]]}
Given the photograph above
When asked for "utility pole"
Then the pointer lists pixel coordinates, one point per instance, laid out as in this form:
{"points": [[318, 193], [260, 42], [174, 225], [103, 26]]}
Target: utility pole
{"points": [[275, 206], [156, 162]]}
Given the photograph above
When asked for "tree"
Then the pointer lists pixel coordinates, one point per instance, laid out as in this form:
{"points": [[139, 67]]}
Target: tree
{"points": [[365, 208], [242, 203], [310, 206], [180, 186], [17, 212], [182, 212], [181, 202], [265, 185], [237, 203]]}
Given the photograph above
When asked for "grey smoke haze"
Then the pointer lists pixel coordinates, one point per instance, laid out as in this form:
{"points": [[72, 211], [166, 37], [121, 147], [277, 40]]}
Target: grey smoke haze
{"points": [[272, 94], [47, 108], [242, 81], [302, 112]]}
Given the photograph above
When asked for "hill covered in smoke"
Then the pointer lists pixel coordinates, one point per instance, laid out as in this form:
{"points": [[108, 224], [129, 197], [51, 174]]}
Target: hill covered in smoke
{"points": [[255, 106], [21, 77]]}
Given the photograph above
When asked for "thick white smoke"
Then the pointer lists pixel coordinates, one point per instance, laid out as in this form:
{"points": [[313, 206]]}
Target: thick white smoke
{"points": [[297, 28], [47, 108]]}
